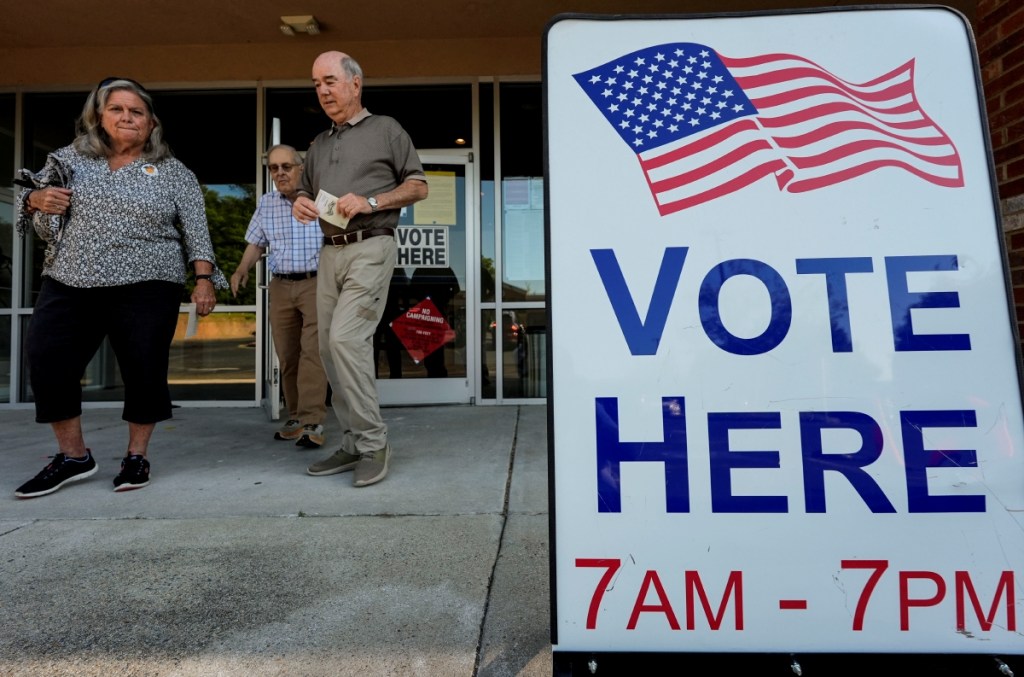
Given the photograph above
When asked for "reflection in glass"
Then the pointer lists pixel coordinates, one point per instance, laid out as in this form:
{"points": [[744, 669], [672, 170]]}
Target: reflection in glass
{"points": [[229, 207], [487, 256], [488, 351], [486, 169], [522, 239], [435, 116], [524, 348], [522, 192], [24, 390], [399, 347], [218, 361], [6, 246], [6, 140], [5, 358], [7, 195]]}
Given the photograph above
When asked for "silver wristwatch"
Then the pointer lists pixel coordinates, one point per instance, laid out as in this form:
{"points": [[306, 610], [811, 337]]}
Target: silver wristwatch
{"points": [[373, 203]]}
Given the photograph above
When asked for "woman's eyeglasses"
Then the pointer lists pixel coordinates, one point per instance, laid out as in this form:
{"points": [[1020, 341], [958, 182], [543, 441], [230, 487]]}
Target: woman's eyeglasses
{"points": [[286, 167]]}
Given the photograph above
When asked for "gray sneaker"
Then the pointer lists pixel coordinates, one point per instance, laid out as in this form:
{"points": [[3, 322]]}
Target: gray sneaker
{"points": [[339, 461], [372, 467], [291, 430]]}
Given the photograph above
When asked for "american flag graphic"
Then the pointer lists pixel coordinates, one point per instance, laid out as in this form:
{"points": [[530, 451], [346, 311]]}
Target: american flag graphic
{"points": [[704, 125]]}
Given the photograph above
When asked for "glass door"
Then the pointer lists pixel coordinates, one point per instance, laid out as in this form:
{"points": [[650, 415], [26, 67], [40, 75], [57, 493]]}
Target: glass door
{"points": [[425, 345], [270, 368]]}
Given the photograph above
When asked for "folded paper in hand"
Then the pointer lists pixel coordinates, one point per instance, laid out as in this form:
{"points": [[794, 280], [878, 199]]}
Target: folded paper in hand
{"points": [[328, 206]]}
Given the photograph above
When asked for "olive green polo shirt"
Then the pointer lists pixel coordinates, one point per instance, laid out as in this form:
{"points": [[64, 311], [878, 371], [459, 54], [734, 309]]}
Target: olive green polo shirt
{"points": [[368, 155]]}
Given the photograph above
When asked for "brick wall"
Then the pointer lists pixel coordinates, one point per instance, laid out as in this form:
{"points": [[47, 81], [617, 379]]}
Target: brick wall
{"points": [[1000, 37]]}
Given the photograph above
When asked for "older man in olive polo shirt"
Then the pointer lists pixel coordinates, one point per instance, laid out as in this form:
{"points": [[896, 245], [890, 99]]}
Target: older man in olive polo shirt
{"points": [[369, 164]]}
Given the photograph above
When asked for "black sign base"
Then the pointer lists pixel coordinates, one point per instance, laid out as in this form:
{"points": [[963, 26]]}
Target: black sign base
{"points": [[582, 664]]}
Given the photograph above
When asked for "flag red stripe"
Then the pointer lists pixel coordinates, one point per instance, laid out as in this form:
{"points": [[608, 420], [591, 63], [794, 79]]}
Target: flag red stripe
{"points": [[707, 169], [805, 92], [804, 185], [747, 62], [816, 112], [784, 75], [834, 128], [750, 176], [846, 150]]}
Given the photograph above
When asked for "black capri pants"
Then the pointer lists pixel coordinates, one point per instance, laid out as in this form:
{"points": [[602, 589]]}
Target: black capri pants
{"points": [[69, 324]]}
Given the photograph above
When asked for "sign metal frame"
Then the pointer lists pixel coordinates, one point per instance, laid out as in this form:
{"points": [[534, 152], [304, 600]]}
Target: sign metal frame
{"points": [[615, 651]]}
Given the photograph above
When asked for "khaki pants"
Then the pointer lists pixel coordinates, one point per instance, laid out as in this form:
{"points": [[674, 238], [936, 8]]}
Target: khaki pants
{"points": [[352, 288], [293, 322]]}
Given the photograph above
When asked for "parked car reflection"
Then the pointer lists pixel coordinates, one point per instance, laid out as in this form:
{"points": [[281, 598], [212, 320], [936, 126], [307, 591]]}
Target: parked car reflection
{"points": [[513, 332]]}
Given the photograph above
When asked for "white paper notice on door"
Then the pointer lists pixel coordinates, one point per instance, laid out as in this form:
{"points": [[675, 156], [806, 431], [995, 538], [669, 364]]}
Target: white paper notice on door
{"points": [[327, 204]]}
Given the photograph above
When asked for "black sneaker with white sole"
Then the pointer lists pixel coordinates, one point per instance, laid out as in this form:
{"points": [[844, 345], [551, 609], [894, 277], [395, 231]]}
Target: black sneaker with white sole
{"points": [[60, 471], [134, 473]]}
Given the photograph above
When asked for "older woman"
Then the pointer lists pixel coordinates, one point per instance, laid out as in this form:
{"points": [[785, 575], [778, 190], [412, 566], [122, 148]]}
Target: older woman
{"points": [[121, 217]]}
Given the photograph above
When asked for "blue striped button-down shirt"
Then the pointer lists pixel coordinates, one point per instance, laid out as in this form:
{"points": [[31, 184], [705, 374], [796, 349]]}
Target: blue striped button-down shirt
{"points": [[294, 247]]}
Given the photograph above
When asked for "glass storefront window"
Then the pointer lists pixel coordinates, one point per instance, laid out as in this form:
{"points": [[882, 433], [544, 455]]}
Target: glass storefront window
{"points": [[221, 157], [519, 339], [488, 352], [487, 242], [229, 207], [220, 366], [523, 238], [6, 140], [5, 358], [213, 357], [428, 287], [217, 362], [7, 195], [435, 116], [49, 124], [521, 346], [524, 353], [6, 246], [24, 391], [522, 192]]}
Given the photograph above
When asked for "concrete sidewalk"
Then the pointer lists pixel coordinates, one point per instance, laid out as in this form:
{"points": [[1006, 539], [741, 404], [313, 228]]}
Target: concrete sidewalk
{"points": [[235, 562]]}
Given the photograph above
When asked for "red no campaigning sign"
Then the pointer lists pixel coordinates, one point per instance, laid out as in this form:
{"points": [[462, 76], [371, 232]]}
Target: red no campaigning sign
{"points": [[422, 329]]}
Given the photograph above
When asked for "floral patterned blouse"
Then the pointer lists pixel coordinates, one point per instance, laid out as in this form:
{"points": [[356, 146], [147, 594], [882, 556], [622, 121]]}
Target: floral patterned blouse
{"points": [[140, 222]]}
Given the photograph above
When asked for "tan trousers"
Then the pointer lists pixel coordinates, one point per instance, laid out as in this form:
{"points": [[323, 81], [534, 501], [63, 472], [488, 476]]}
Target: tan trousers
{"points": [[352, 288], [293, 323]]}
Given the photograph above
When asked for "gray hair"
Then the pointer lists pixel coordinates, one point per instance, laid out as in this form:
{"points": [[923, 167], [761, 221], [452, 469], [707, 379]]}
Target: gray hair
{"points": [[92, 140], [351, 67], [296, 158]]}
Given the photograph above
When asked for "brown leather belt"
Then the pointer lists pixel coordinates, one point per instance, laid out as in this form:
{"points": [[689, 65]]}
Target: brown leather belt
{"points": [[296, 276], [357, 236]]}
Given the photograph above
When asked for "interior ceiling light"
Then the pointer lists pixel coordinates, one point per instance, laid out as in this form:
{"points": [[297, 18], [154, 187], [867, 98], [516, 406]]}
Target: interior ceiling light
{"points": [[307, 23]]}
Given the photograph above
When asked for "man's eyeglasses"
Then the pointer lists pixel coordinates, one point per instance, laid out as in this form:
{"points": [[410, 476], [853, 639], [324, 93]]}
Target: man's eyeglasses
{"points": [[286, 167]]}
